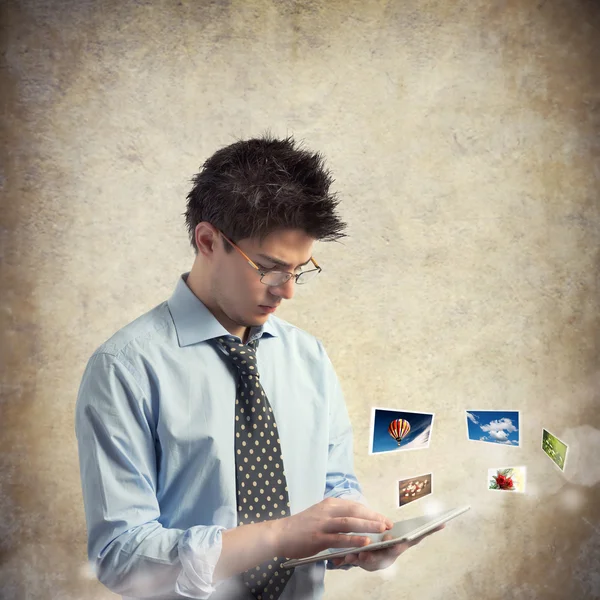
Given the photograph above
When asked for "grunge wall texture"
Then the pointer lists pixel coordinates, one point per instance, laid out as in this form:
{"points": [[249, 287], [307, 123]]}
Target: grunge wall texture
{"points": [[464, 137]]}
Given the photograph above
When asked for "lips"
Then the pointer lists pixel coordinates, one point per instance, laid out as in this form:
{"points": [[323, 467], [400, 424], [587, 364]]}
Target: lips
{"points": [[267, 308]]}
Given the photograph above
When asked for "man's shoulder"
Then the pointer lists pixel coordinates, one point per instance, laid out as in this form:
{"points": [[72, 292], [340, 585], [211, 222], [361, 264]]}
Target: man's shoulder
{"points": [[148, 329]]}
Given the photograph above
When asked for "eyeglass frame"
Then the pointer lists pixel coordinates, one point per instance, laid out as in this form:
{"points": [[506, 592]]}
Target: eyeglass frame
{"points": [[262, 272]]}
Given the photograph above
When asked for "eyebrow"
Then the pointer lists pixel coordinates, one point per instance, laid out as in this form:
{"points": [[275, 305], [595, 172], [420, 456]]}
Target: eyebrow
{"points": [[281, 263]]}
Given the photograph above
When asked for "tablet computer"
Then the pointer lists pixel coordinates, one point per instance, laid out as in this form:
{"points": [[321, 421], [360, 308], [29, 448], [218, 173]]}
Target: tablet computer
{"points": [[403, 531]]}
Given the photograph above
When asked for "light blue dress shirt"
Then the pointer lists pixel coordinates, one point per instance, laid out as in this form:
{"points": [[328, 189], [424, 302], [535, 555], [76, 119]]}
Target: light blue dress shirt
{"points": [[155, 429]]}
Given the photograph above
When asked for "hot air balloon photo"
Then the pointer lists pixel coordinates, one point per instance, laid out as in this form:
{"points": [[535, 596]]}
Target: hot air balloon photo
{"points": [[396, 430], [399, 429]]}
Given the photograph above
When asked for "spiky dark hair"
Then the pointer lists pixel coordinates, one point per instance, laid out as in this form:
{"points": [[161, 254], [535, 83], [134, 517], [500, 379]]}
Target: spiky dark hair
{"points": [[254, 187]]}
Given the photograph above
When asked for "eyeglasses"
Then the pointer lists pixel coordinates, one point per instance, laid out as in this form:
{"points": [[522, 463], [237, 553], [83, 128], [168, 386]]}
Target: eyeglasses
{"points": [[277, 278]]}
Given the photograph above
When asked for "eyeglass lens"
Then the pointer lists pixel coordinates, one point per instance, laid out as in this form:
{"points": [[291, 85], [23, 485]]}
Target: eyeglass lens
{"points": [[279, 277]]}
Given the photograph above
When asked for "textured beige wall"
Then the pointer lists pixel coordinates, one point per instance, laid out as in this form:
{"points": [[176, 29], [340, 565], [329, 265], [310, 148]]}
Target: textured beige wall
{"points": [[465, 141]]}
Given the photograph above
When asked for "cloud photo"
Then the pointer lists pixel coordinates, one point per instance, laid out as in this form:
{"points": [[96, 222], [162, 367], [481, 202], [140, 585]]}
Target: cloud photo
{"points": [[498, 427]]}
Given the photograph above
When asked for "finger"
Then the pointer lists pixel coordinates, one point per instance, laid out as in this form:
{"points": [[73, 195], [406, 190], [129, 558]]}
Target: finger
{"points": [[350, 559], [345, 560], [368, 560], [350, 508], [343, 540], [389, 552], [381, 559], [387, 537], [396, 551], [353, 525], [419, 539]]}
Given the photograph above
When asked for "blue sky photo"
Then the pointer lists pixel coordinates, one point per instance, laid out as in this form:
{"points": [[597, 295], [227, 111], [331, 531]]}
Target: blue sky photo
{"points": [[417, 438], [494, 426]]}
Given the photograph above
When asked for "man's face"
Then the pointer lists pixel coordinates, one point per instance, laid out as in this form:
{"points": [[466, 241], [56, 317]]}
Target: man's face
{"points": [[241, 297]]}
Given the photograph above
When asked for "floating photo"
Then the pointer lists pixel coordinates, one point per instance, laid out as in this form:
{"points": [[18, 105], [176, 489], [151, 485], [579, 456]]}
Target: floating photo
{"points": [[395, 430], [414, 488], [507, 479], [494, 426], [554, 448]]}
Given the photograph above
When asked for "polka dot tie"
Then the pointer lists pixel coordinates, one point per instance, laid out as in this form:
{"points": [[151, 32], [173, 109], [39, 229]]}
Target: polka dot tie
{"points": [[262, 492]]}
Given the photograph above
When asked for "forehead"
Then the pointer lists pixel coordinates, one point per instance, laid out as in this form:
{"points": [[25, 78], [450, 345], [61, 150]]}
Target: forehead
{"points": [[286, 247]]}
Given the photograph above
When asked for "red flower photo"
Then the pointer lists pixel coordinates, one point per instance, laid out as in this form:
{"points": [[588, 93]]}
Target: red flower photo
{"points": [[511, 479]]}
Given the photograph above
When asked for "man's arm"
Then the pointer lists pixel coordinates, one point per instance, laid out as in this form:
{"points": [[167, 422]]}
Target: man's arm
{"points": [[133, 554]]}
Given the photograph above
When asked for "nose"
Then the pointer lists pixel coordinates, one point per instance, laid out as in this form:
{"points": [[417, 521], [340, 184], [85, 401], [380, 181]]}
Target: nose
{"points": [[285, 290]]}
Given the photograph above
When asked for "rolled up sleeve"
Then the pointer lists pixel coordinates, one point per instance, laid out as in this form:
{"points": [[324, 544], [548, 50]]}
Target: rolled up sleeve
{"points": [[131, 551]]}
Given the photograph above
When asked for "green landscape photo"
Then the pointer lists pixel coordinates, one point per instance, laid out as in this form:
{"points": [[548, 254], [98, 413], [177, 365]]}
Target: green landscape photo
{"points": [[554, 448]]}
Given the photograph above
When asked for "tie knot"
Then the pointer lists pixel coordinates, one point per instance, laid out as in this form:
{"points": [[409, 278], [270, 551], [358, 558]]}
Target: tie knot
{"points": [[242, 356]]}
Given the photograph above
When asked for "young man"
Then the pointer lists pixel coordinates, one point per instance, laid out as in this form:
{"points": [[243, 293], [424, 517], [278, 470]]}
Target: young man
{"points": [[214, 440]]}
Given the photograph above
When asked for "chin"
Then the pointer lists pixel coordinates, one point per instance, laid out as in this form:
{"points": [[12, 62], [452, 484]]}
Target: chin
{"points": [[257, 321], [252, 320]]}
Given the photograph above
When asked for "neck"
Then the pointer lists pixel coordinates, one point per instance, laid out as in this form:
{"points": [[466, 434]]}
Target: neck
{"points": [[197, 284], [245, 335]]}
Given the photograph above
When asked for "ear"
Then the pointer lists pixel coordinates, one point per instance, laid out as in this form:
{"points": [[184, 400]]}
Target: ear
{"points": [[206, 237]]}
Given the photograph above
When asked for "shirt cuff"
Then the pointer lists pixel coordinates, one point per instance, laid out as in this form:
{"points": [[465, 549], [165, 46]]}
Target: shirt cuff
{"points": [[199, 551]]}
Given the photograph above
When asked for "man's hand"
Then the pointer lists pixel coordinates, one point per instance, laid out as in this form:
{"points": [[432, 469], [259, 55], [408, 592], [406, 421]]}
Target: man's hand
{"points": [[375, 560], [326, 525]]}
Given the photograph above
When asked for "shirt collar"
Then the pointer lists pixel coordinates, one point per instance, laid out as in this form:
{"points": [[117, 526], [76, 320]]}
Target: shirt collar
{"points": [[193, 321]]}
